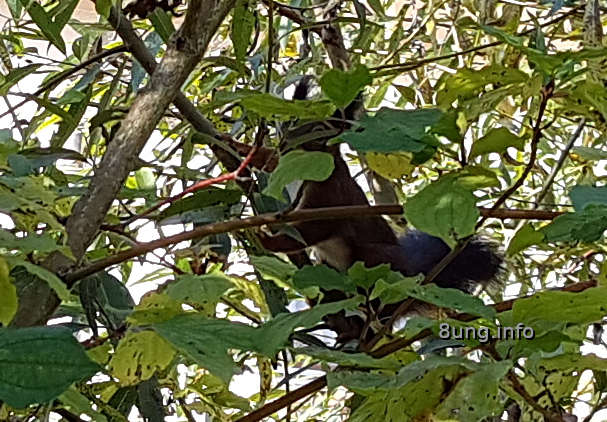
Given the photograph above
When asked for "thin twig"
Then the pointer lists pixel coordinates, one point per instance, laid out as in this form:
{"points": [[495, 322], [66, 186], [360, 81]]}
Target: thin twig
{"points": [[547, 92], [234, 225], [270, 57], [390, 69], [560, 162], [309, 214], [196, 187], [66, 74]]}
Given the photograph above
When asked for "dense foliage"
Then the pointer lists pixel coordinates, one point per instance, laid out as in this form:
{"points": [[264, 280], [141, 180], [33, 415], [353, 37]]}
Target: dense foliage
{"points": [[480, 117]]}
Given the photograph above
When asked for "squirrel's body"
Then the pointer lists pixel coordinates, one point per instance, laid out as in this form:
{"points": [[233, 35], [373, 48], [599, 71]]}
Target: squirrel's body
{"points": [[340, 243]]}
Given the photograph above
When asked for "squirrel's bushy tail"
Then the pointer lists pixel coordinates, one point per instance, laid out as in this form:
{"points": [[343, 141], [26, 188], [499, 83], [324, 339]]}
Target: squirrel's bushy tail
{"points": [[479, 264]]}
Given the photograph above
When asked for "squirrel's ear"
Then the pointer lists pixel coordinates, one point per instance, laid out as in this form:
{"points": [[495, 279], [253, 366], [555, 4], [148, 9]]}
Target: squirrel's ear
{"points": [[302, 89]]}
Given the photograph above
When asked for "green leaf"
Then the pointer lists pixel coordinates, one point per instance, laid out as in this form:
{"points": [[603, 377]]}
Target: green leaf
{"points": [[394, 292], [271, 107], [23, 271], [343, 359], [206, 215], [78, 403], [322, 276], [274, 334], [371, 383], [585, 226], [32, 187], [273, 268], [594, 95], [8, 295], [50, 29], [14, 76], [444, 209], [7, 144], [66, 127], [405, 404], [145, 178], [155, 308], [549, 64], [162, 23], [555, 306], [496, 140], [574, 361], [299, 165], [44, 157], [475, 177], [417, 324], [550, 342], [468, 83], [589, 153], [63, 12], [477, 396], [243, 23], [230, 63], [153, 42], [15, 8], [524, 237], [396, 131], [103, 7], [55, 109], [431, 293], [448, 127], [199, 289], [39, 363], [343, 87], [365, 277], [377, 7], [20, 165], [581, 196], [202, 199], [33, 243], [207, 341], [105, 295]]}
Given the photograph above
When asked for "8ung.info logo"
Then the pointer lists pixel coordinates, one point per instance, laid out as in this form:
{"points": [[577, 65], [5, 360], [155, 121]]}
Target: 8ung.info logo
{"points": [[485, 334]]}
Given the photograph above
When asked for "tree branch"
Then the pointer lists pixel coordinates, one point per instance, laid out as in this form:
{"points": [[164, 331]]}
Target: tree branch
{"points": [[547, 92], [183, 53], [260, 220]]}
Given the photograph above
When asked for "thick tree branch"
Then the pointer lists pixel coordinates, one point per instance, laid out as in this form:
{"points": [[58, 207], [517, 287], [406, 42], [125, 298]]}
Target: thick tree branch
{"points": [[137, 48], [36, 300], [183, 53]]}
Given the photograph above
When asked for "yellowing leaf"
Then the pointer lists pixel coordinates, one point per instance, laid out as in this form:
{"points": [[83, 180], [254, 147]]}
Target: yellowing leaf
{"points": [[8, 295], [139, 355], [391, 166], [155, 308], [100, 354]]}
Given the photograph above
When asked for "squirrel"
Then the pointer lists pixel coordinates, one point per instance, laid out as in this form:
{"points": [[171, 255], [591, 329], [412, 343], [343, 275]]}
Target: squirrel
{"points": [[340, 243]]}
